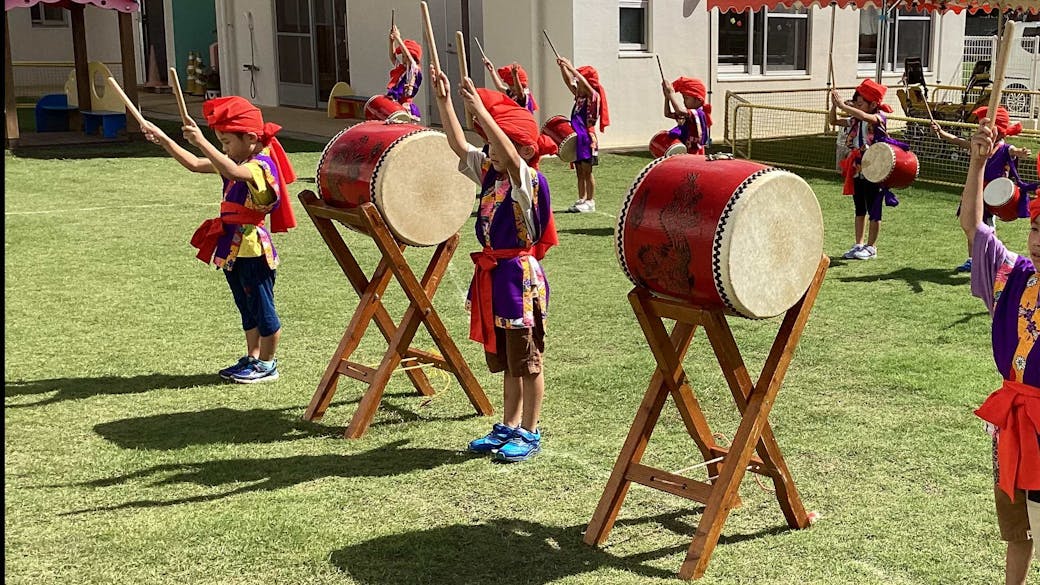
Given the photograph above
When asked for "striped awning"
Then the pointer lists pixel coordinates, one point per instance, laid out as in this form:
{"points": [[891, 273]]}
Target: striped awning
{"points": [[957, 6], [120, 5]]}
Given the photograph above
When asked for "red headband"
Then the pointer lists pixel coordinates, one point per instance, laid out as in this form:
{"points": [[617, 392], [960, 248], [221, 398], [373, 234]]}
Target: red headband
{"points": [[414, 49], [506, 73], [1003, 121], [690, 86], [592, 76], [1034, 209], [873, 91]]}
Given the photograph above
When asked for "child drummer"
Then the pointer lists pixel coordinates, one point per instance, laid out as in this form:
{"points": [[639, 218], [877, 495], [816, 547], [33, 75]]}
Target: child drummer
{"points": [[1002, 162], [509, 294]]}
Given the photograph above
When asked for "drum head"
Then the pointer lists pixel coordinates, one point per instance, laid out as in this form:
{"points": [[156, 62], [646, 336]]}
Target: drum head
{"points": [[878, 162], [677, 148], [999, 191], [419, 191], [568, 149], [401, 117], [769, 244]]}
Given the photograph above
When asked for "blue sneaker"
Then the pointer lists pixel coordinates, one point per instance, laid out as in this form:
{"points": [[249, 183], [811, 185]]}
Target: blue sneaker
{"points": [[242, 362], [255, 372], [522, 446], [966, 267], [499, 435]]}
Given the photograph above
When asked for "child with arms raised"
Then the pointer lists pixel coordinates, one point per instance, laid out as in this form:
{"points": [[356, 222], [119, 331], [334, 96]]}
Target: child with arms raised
{"points": [[509, 294]]}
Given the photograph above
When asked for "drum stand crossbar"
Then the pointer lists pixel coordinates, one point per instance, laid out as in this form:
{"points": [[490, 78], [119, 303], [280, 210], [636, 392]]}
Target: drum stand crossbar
{"points": [[366, 218], [726, 465]]}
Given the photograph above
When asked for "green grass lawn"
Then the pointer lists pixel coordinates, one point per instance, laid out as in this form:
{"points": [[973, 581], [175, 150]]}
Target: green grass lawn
{"points": [[126, 461]]}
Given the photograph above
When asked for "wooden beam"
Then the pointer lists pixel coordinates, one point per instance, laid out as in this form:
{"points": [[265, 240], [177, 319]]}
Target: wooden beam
{"points": [[79, 50], [126, 47], [11, 134]]}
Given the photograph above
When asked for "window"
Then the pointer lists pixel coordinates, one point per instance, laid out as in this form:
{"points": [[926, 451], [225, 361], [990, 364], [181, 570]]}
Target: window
{"points": [[764, 42], [632, 18], [909, 35], [47, 15]]}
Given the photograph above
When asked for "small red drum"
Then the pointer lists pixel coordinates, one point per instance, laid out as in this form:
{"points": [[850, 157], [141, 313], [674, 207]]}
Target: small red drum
{"points": [[1001, 197], [408, 171], [721, 233], [380, 107], [889, 165], [664, 144], [561, 132]]}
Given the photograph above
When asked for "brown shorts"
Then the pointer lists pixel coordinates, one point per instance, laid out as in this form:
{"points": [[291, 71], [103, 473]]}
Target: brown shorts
{"points": [[519, 350], [1012, 517]]}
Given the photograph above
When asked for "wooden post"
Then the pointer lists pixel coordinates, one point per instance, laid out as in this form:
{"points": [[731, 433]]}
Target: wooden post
{"points": [[12, 133], [79, 50], [126, 49]]}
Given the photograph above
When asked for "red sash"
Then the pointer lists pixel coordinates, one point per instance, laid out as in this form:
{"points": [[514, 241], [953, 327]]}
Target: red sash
{"points": [[482, 315], [209, 232], [1015, 410], [849, 168]]}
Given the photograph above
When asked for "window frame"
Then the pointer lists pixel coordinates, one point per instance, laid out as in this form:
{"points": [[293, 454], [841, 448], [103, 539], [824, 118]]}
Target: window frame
{"points": [[892, 64], [39, 18], [643, 5], [749, 68]]}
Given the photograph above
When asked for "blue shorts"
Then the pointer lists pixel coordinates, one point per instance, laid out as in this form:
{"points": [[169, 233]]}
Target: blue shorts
{"points": [[252, 284]]}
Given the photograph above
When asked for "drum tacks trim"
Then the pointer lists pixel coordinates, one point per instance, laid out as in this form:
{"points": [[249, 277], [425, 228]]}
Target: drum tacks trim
{"points": [[619, 234]]}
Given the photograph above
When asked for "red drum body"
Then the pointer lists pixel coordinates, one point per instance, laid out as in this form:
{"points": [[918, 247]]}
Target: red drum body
{"points": [[889, 166], [664, 144], [561, 132], [1001, 198], [407, 171], [380, 107], [721, 234]]}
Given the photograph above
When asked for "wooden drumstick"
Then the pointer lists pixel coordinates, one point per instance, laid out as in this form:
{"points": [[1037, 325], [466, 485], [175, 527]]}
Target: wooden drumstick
{"points": [[130, 107], [659, 68], [460, 46], [183, 107], [551, 46], [431, 46], [481, 49], [1006, 39]]}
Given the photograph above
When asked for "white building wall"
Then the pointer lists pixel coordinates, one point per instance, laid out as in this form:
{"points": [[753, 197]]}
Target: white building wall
{"points": [[41, 43], [238, 48]]}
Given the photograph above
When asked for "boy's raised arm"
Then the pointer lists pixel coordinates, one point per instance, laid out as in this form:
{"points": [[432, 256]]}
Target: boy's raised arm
{"points": [[971, 196], [495, 135], [227, 168], [188, 160]]}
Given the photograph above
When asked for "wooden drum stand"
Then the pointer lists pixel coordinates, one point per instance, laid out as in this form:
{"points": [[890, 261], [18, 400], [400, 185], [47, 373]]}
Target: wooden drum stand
{"points": [[726, 465], [367, 220]]}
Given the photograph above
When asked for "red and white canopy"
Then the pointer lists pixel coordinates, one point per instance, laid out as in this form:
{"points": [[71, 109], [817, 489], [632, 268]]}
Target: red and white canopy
{"points": [[957, 6], [120, 5]]}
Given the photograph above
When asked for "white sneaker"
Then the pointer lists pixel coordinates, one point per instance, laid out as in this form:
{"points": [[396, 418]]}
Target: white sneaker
{"points": [[851, 254], [866, 253], [574, 206], [585, 206]]}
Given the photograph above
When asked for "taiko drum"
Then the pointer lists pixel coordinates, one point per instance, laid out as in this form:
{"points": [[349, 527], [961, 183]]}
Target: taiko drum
{"points": [[664, 144], [408, 172], [721, 233], [1001, 196], [561, 132], [889, 165], [381, 107]]}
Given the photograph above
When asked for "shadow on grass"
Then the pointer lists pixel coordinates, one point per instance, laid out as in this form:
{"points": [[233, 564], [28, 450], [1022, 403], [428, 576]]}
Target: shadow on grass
{"points": [[915, 277], [528, 552], [80, 388], [601, 231], [264, 475], [227, 426]]}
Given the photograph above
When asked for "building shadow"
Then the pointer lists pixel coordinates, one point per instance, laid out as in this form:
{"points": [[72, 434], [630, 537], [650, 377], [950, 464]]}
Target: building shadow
{"points": [[227, 426], [65, 389], [528, 552], [600, 231], [264, 475], [915, 277]]}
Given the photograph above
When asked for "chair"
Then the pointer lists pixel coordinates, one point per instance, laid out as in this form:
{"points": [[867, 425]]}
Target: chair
{"points": [[52, 113], [106, 110]]}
